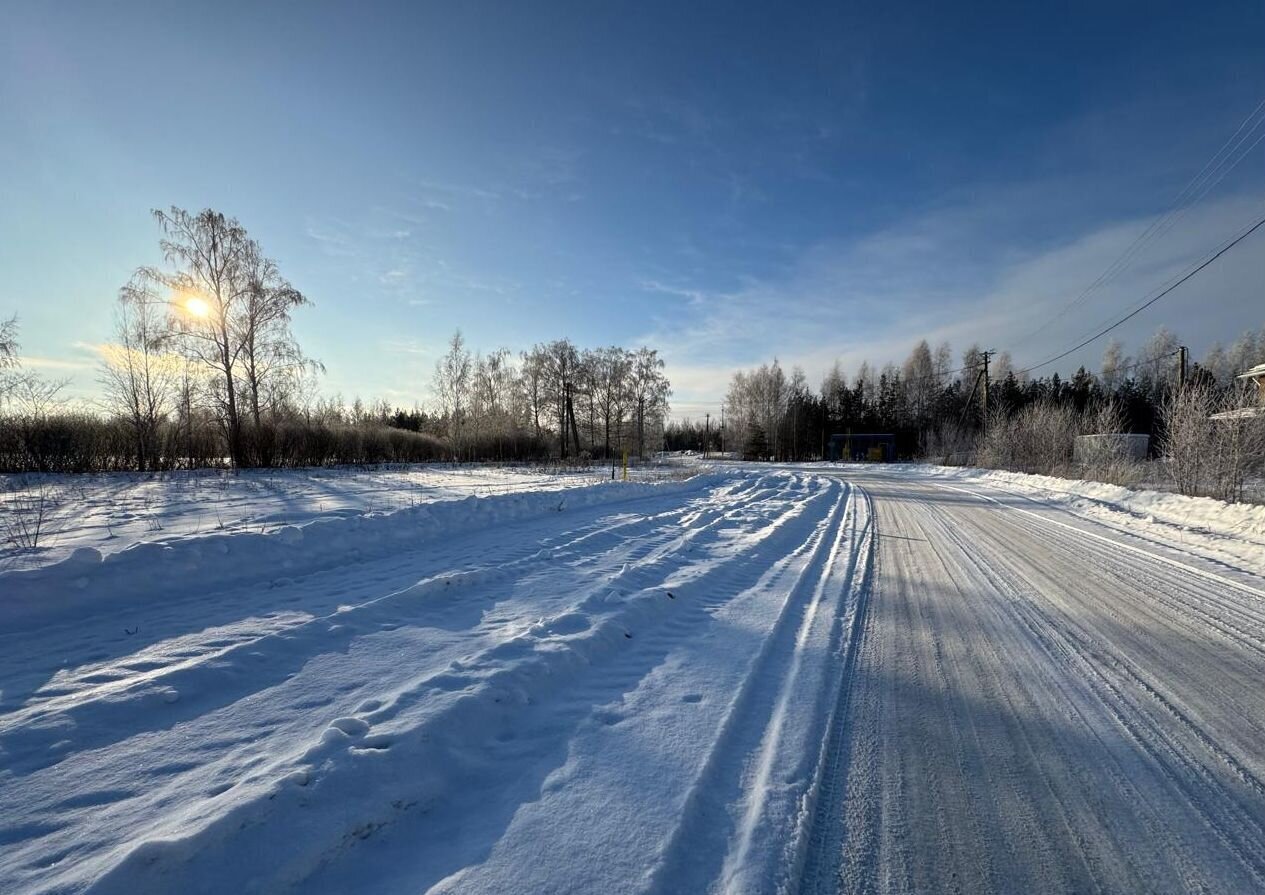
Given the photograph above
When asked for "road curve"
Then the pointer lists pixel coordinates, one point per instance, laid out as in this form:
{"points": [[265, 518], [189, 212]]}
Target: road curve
{"points": [[1036, 706]]}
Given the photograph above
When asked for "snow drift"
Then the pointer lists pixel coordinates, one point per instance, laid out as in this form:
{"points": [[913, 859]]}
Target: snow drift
{"points": [[89, 580]]}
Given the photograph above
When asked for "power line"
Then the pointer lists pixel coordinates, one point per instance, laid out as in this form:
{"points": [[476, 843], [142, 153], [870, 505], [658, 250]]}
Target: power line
{"points": [[931, 377], [1223, 161], [1146, 304], [1133, 366]]}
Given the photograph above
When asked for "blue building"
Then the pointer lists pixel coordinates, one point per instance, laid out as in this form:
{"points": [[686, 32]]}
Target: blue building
{"points": [[869, 446]]}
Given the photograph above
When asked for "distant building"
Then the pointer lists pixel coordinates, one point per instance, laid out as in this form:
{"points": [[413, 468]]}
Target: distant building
{"points": [[880, 448], [1254, 376]]}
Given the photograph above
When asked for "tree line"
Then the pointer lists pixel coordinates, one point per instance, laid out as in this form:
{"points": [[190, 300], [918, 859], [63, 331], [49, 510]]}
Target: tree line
{"points": [[571, 402], [203, 369], [938, 407]]}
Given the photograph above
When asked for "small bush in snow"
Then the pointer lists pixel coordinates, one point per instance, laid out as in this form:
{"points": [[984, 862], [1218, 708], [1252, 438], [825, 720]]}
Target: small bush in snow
{"points": [[1210, 446]]}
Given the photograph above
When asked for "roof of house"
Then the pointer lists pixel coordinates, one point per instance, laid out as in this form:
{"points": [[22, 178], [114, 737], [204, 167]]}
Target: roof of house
{"points": [[1240, 413]]}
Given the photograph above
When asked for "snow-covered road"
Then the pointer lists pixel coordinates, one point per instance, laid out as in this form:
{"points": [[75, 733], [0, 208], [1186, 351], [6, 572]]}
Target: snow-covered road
{"points": [[756, 680], [1040, 704]]}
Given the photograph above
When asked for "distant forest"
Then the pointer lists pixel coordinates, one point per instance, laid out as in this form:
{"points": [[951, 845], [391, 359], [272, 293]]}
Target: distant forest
{"points": [[203, 369], [935, 407]]}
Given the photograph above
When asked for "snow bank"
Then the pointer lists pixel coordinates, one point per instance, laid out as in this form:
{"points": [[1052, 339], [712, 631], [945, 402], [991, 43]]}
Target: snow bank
{"points": [[1235, 520], [1232, 534], [150, 570], [113, 511]]}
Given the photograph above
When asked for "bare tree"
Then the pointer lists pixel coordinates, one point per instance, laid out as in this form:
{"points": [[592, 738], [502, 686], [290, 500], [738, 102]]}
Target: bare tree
{"points": [[535, 368], [920, 380], [271, 360], [9, 342], [611, 368], [755, 405], [1189, 436], [139, 376], [739, 409], [452, 383], [771, 393], [1037, 439], [1240, 446], [1113, 359], [492, 396], [1158, 356], [561, 368], [1211, 442], [1246, 352], [228, 302], [190, 389], [942, 362], [649, 391], [972, 360], [12, 378], [1003, 367], [1216, 363], [867, 382]]}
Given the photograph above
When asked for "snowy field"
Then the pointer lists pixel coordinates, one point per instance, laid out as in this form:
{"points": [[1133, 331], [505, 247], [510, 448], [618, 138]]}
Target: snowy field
{"points": [[758, 679], [111, 512]]}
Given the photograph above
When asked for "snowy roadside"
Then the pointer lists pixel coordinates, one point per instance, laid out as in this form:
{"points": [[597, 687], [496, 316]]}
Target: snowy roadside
{"points": [[88, 579], [1232, 533], [112, 512], [468, 716]]}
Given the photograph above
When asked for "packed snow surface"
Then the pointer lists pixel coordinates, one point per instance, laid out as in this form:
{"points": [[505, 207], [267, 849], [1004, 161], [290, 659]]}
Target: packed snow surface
{"points": [[758, 679], [112, 511]]}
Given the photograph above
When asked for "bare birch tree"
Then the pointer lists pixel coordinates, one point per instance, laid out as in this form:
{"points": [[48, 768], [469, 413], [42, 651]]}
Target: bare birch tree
{"points": [[10, 359], [271, 361], [649, 390], [611, 367], [228, 305], [139, 375], [452, 384], [533, 384]]}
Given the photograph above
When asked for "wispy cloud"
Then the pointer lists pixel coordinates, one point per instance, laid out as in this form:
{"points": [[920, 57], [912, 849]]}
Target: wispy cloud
{"points": [[405, 346], [693, 296], [946, 275], [331, 236], [57, 364]]}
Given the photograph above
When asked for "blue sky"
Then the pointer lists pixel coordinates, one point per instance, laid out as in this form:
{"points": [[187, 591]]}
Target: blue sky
{"points": [[725, 183]]}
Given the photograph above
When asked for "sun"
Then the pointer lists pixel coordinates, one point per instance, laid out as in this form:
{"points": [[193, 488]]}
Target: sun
{"points": [[197, 307]]}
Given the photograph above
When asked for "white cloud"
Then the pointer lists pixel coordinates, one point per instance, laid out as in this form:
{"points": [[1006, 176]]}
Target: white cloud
{"points": [[57, 363], [694, 296], [951, 275]]}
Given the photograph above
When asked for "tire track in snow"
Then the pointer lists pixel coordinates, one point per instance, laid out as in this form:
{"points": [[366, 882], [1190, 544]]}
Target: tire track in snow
{"points": [[115, 694], [744, 820], [1119, 684], [1038, 710], [623, 550], [819, 838], [532, 673]]}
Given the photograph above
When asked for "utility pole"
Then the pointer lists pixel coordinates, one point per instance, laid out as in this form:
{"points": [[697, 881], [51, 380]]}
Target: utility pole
{"points": [[986, 355], [1183, 358], [722, 428], [641, 426], [707, 431], [566, 399]]}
